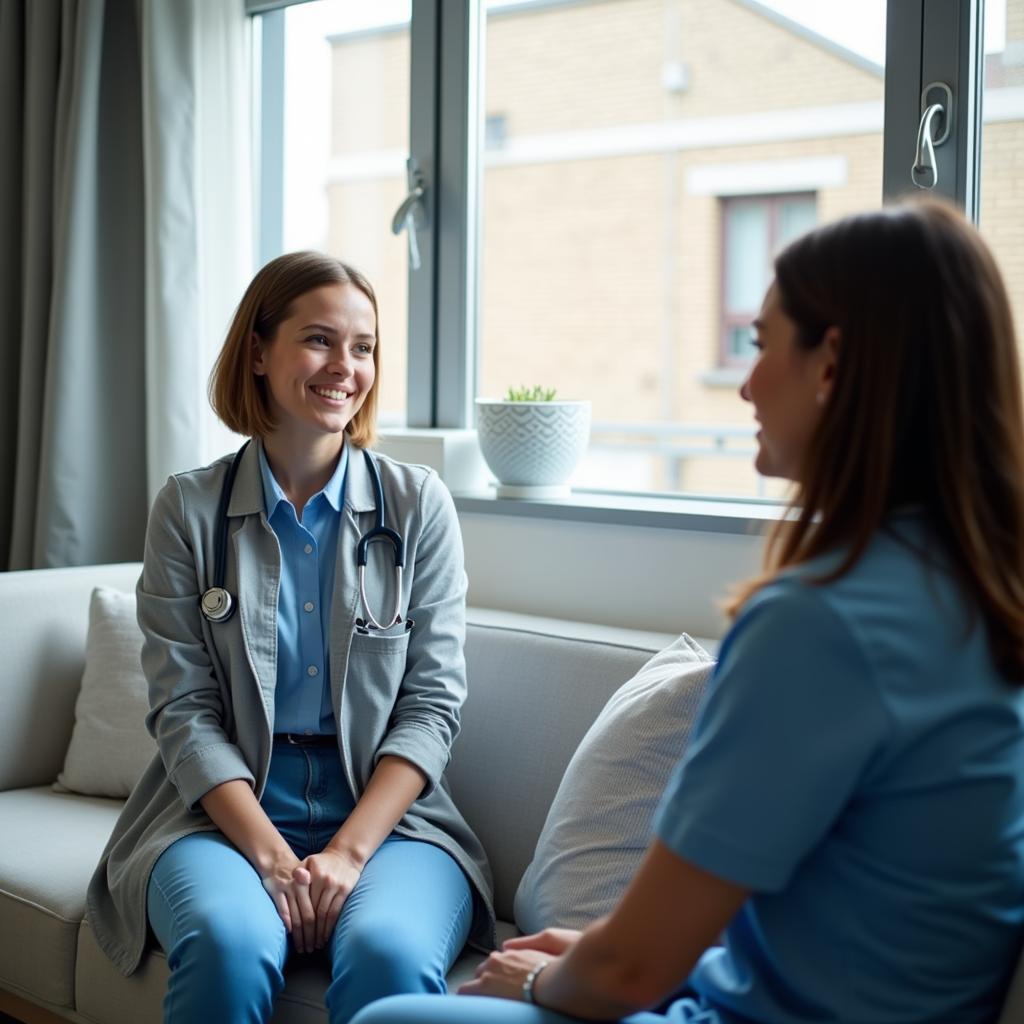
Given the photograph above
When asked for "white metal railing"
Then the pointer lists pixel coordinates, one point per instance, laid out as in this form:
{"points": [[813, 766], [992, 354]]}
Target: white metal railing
{"points": [[664, 434], [675, 442]]}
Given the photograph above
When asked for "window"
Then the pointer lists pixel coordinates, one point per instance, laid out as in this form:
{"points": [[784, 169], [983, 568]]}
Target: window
{"points": [[611, 268], [1002, 154], [754, 228], [599, 225], [334, 144]]}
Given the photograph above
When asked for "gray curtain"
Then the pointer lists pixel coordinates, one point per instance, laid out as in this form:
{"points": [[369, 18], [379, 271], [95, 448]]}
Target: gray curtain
{"points": [[72, 280]]}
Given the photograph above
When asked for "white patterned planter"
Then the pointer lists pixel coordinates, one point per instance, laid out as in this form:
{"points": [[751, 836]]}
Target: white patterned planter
{"points": [[532, 447]]}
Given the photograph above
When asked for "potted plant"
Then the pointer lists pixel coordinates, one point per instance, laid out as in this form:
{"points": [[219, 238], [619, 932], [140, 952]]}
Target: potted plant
{"points": [[532, 441]]}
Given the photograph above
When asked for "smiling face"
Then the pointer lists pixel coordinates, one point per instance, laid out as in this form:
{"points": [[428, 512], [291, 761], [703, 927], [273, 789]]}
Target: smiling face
{"points": [[788, 387], [319, 368]]}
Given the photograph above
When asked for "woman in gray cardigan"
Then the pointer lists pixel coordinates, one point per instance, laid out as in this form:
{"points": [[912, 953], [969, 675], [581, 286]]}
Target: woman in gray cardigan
{"points": [[297, 802]]}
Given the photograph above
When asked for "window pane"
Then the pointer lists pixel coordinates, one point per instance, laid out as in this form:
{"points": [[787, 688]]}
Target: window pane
{"points": [[747, 261], [795, 217], [1002, 150], [741, 343], [606, 185], [346, 130]]}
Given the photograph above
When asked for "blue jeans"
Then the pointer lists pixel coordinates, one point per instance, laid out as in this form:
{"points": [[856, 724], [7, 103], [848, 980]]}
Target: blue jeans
{"points": [[400, 930], [482, 1010]]}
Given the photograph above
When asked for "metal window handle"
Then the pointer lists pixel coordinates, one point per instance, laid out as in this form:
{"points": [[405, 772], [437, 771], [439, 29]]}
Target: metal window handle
{"points": [[936, 102], [411, 210]]}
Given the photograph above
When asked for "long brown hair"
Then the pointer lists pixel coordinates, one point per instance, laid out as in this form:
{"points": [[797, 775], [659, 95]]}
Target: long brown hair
{"points": [[239, 396], [925, 408]]}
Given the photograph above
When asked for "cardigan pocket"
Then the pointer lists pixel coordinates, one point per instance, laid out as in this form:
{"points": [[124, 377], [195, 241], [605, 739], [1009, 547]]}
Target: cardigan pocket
{"points": [[387, 642]]}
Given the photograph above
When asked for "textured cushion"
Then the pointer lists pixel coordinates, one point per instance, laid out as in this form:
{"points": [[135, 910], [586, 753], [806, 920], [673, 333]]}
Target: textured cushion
{"points": [[599, 824], [50, 845], [532, 697], [43, 622], [109, 747]]}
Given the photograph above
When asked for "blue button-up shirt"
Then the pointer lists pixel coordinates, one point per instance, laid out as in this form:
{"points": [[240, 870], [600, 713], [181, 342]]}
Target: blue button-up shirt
{"points": [[302, 700]]}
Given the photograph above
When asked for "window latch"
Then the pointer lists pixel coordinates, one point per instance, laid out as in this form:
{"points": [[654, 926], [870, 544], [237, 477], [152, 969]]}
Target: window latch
{"points": [[936, 118], [411, 211]]}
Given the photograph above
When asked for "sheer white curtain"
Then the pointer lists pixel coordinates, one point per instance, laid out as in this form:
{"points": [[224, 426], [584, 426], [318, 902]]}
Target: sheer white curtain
{"points": [[199, 253]]}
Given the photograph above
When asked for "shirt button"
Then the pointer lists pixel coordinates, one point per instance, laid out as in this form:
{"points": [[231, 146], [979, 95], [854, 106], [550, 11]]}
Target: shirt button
{"points": [[308, 549], [312, 670], [308, 606]]}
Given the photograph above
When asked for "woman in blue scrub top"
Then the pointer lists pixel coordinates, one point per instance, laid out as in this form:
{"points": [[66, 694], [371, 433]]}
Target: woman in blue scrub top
{"points": [[296, 802], [850, 809]]}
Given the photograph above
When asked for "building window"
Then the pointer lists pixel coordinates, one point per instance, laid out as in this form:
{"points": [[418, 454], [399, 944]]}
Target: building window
{"points": [[754, 229]]}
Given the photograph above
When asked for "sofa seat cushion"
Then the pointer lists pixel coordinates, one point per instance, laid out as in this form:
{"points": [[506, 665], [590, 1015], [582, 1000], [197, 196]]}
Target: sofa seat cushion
{"points": [[52, 843], [103, 994], [464, 968]]}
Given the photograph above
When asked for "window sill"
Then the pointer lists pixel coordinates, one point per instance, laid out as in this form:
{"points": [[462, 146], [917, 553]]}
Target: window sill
{"points": [[703, 515]]}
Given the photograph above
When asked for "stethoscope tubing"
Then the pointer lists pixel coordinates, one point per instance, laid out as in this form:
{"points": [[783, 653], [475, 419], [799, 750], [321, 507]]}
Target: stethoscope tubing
{"points": [[218, 605], [379, 532]]}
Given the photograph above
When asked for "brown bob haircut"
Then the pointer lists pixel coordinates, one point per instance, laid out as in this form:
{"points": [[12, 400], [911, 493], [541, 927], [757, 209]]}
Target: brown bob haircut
{"points": [[925, 408], [237, 394]]}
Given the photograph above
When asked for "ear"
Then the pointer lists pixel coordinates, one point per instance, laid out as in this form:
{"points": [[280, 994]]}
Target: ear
{"points": [[258, 366], [828, 360]]}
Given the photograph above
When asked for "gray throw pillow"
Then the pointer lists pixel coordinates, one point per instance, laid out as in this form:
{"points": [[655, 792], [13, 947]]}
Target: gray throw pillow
{"points": [[110, 747], [599, 824]]}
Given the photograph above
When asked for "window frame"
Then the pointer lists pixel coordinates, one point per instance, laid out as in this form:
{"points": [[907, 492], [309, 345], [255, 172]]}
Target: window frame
{"points": [[925, 42]]}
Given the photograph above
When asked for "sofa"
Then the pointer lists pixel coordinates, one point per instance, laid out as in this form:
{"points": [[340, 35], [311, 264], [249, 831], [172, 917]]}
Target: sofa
{"points": [[520, 727], [536, 685]]}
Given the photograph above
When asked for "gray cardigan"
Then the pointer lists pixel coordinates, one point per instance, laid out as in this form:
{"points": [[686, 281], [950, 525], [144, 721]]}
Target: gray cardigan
{"points": [[211, 686]]}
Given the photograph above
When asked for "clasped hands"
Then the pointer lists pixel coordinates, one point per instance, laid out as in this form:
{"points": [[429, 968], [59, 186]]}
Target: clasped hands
{"points": [[502, 974], [310, 893]]}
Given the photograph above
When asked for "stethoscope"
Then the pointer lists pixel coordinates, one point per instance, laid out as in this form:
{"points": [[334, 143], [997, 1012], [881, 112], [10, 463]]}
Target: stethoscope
{"points": [[218, 605]]}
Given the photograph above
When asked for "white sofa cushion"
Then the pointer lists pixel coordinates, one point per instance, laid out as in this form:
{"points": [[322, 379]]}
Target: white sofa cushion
{"points": [[599, 824], [110, 747], [51, 843], [44, 617]]}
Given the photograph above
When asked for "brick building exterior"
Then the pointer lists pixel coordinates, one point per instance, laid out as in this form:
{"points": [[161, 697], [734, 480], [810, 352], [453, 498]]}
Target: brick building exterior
{"points": [[618, 134]]}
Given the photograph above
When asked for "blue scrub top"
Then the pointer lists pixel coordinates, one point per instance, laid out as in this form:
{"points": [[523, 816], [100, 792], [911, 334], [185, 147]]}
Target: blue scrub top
{"points": [[302, 699], [859, 765]]}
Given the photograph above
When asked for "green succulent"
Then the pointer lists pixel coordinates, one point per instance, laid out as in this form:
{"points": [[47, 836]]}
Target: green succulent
{"points": [[534, 394]]}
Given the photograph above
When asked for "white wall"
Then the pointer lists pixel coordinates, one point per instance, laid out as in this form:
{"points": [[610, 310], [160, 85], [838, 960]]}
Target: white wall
{"points": [[658, 578], [639, 577]]}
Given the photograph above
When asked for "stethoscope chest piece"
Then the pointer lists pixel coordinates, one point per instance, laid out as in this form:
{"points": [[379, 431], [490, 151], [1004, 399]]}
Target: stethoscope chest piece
{"points": [[217, 604]]}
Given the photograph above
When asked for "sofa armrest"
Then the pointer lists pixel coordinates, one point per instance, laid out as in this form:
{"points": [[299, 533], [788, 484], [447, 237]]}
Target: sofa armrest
{"points": [[44, 616]]}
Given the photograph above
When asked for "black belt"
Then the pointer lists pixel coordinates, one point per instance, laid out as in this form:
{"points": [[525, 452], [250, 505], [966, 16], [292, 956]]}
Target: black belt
{"points": [[299, 739]]}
